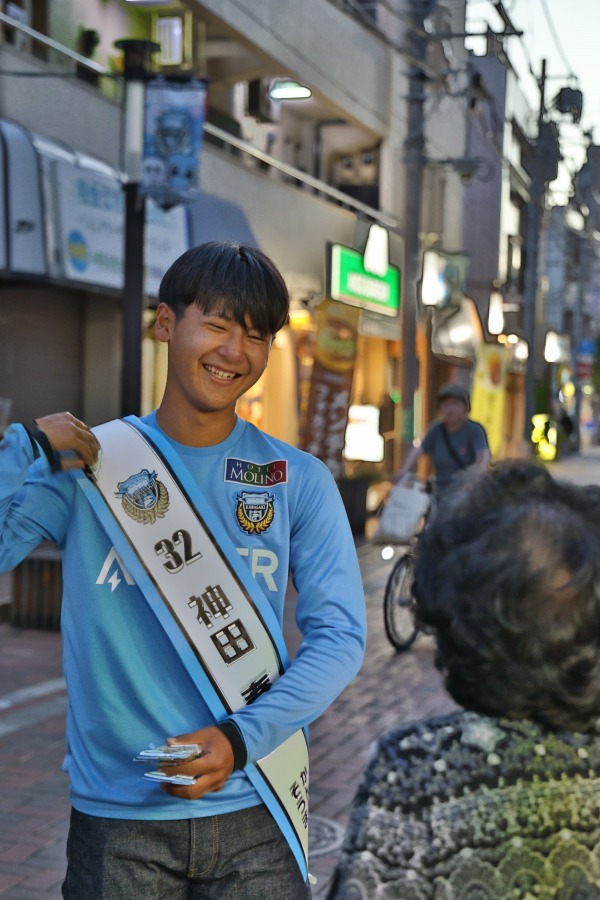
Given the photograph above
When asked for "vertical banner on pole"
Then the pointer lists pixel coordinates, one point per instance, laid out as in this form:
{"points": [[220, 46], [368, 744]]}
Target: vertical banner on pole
{"points": [[336, 341], [173, 121], [488, 395]]}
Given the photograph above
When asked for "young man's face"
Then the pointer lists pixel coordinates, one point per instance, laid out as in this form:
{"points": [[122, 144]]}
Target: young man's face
{"points": [[213, 360]]}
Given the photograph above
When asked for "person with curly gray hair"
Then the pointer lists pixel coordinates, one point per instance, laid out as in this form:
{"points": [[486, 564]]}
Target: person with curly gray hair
{"points": [[499, 798]]}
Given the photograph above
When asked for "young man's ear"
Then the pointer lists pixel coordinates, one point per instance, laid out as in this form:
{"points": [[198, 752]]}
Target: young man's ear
{"points": [[164, 322]]}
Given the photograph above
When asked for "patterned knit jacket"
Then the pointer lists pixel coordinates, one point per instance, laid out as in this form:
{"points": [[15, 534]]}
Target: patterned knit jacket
{"points": [[467, 806]]}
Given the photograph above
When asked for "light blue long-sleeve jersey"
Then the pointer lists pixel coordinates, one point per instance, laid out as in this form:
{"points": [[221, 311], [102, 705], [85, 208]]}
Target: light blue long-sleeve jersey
{"points": [[127, 687]]}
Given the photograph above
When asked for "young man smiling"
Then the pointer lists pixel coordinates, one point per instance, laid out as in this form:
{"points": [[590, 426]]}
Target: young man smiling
{"points": [[278, 512]]}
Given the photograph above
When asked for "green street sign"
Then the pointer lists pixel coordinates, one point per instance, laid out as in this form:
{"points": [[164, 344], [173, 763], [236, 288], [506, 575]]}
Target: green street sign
{"points": [[351, 283]]}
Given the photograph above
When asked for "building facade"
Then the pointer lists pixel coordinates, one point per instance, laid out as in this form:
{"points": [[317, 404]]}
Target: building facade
{"points": [[295, 177]]}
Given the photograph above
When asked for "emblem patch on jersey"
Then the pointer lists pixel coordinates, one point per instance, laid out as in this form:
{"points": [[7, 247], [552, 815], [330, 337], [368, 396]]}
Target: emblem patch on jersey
{"points": [[255, 511], [242, 471], [144, 497]]}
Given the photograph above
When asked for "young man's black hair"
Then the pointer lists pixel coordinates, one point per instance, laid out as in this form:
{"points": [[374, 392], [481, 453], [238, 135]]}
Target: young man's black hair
{"points": [[226, 277]]}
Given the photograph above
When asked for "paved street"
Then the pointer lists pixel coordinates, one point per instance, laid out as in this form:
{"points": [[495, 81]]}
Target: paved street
{"points": [[34, 798]]}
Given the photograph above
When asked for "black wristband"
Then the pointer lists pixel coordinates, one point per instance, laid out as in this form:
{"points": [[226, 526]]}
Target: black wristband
{"points": [[53, 458], [234, 736], [34, 447]]}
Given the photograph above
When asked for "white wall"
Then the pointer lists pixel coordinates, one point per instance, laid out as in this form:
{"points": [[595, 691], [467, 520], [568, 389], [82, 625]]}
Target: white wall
{"points": [[292, 226]]}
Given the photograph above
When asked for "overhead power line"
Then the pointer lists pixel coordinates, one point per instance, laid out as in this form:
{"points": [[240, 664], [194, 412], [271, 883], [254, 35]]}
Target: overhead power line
{"points": [[554, 34]]}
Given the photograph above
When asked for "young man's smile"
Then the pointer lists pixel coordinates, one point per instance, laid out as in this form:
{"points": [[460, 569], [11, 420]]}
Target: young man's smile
{"points": [[219, 374]]}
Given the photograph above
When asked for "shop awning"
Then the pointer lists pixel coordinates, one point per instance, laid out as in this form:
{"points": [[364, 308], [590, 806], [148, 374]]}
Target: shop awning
{"points": [[65, 216], [213, 219]]}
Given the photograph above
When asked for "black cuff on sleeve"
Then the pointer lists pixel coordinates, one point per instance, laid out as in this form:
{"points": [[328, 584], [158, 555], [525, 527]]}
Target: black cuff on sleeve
{"points": [[234, 736], [34, 446], [40, 438]]}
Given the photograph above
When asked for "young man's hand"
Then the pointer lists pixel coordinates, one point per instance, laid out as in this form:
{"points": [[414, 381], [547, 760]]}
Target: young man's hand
{"points": [[65, 432], [211, 770]]}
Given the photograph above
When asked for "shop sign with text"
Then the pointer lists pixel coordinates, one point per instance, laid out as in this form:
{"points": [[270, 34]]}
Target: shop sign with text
{"points": [[351, 282], [91, 226]]}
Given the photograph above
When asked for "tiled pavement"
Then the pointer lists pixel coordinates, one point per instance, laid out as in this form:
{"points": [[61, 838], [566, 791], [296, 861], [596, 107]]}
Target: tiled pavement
{"points": [[33, 797]]}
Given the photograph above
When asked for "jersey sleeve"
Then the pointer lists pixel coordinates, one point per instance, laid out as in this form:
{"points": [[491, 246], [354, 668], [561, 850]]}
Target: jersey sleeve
{"points": [[34, 504], [330, 614]]}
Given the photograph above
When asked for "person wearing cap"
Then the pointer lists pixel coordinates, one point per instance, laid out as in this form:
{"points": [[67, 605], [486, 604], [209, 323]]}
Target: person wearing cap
{"points": [[454, 441]]}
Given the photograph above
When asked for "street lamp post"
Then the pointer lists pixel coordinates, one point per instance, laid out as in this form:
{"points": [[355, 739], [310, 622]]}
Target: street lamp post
{"points": [[137, 57]]}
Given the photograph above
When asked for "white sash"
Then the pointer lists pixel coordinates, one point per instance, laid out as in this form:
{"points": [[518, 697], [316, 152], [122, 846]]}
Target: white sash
{"points": [[219, 621]]}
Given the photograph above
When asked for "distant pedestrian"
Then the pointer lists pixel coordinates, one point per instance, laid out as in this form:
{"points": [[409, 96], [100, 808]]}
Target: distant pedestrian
{"points": [[176, 556], [452, 443], [499, 799]]}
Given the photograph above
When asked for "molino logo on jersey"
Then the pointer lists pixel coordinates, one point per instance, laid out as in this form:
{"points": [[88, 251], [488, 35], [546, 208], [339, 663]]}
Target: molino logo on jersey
{"points": [[241, 471]]}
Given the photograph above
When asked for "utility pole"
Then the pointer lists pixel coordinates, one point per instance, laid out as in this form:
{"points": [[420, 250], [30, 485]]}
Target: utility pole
{"points": [[585, 252], [543, 169], [414, 158], [530, 288]]}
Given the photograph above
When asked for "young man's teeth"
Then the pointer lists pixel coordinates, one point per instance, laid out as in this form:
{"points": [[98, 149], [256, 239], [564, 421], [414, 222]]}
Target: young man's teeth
{"points": [[218, 373]]}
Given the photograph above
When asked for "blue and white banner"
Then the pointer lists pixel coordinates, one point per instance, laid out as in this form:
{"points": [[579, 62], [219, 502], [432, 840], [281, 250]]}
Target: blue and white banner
{"points": [[173, 122]]}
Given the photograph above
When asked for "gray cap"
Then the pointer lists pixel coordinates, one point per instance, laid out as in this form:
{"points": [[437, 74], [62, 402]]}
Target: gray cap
{"points": [[454, 390]]}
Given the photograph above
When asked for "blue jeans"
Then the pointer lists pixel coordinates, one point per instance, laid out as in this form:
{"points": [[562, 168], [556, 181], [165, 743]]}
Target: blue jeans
{"points": [[238, 856]]}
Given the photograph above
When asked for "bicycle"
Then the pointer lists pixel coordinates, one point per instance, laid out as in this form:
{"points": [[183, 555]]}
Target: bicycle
{"points": [[398, 601]]}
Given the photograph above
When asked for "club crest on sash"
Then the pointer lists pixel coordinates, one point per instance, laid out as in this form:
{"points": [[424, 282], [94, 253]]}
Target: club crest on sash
{"points": [[255, 511], [144, 497]]}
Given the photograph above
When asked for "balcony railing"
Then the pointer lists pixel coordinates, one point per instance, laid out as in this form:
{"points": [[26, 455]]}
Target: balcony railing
{"points": [[28, 38], [76, 65]]}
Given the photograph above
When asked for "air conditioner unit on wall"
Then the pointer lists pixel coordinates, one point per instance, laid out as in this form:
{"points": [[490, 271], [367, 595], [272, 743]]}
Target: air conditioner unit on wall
{"points": [[177, 33]]}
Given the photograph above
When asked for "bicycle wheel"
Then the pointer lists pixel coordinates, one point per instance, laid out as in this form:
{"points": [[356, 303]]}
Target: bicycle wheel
{"points": [[398, 604]]}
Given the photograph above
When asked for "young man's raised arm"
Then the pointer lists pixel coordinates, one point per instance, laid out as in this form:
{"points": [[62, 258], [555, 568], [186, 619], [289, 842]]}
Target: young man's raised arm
{"points": [[34, 494]]}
